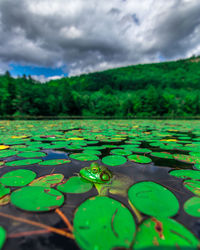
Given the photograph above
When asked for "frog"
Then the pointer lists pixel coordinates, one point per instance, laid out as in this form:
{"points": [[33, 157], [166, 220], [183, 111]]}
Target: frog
{"points": [[106, 181]]}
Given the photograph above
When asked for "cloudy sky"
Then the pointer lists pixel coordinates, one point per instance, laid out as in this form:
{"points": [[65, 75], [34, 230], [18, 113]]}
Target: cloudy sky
{"points": [[50, 39]]}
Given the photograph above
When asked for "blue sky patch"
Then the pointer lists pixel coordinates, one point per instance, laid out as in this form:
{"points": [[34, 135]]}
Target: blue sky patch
{"points": [[17, 69]]}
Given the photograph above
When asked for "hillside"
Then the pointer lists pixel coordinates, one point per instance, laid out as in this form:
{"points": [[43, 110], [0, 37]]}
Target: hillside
{"points": [[169, 89]]}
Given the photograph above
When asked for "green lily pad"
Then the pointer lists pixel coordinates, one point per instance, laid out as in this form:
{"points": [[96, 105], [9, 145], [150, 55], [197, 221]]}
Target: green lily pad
{"points": [[186, 174], [3, 190], [31, 154], [192, 206], [93, 152], [139, 158], [37, 199], [7, 153], [121, 152], [22, 162], [163, 234], [2, 236], [193, 186], [114, 160], [49, 180], [141, 150], [103, 223], [84, 157], [18, 178], [75, 185], [185, 158], [54, 162], [153, 199], [164, 155]]}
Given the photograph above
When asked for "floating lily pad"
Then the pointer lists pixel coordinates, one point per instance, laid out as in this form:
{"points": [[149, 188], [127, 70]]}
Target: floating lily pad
{"points": [[75, 184], [153, 199], [185, 158], [18, 178], [84, 157], [192, 206], [37, 199], [114, 160], [93, 152], [31, 154], [7, 153], [186, 174], [103, 223], [54, 162], [139, 158], [49, 180], [22, 162], [2, 236], [164, 155], [121, 152], [163, 234], [3, 190], [193, 186]]}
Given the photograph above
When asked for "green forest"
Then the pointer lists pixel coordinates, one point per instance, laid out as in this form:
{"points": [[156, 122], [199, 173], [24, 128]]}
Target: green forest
{"points": [[167, 89]]}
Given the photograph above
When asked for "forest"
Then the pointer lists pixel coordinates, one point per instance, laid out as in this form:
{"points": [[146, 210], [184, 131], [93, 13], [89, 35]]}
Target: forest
{"points": [[167, 89]]}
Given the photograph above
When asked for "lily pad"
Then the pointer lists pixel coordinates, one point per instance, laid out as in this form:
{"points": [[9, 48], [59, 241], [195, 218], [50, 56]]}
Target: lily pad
{"points": [[114, 160], [7, 153], [186, 174], [22, 162], [37, 199], [84, 157], [49, 180], [153, 199], [192, 206], [139, 158], [163, 234], [4, 200], [54, 162], [193, 186], [2, 236], [3, 190], [18, 178], [31, 154], [103, 223], [75, 185], [121, 152], [164, 155]]}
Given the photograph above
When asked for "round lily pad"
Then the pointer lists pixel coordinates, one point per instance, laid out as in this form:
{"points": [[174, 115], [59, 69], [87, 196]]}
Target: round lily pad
{"points": [[192, 206], [84, 157], [193, 186], [37, 199], [114, 160], [163, 234], [22, 162], [141, 150], [164, 155], [153, 199], [139, 158], [75, 185], [121, 152], [49, 180], [18, 178], [31, 154], [2, 236], [3, 190], [185, 158], [93, 152], [103, 223], [7, 153], [186, 174], [54, 162]]}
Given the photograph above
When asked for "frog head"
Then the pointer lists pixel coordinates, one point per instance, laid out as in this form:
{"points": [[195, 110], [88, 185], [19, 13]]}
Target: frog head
{"points": [[96, 173]]}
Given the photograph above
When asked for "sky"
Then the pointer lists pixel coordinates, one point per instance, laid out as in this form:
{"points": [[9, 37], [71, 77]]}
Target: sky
{"points": [[50, 39]]}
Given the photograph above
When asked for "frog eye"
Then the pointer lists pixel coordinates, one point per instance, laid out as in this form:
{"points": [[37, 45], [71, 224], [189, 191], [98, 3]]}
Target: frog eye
{"points": [[95, 169], [104, 176]]}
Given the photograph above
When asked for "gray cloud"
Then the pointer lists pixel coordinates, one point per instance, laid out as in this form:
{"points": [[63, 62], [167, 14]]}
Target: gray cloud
{"points": [[89, 35]]}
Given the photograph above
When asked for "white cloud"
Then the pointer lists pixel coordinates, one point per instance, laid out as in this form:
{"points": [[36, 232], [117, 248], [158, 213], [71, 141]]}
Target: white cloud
{"points": [[94, 35]]}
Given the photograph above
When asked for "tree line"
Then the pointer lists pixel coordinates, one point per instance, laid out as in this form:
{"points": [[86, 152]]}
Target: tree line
{"points": [[170, 89]]}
